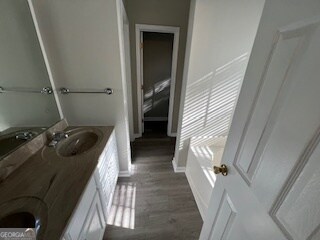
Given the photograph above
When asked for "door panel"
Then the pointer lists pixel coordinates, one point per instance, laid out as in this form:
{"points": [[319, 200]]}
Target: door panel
{"points": [[274, 78], [276, 82], [297, 210], [283, 124], [224, 219], [272, 190]]}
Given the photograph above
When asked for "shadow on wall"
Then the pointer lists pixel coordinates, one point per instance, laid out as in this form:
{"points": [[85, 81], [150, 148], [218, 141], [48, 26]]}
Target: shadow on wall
{"points": [[210, 102], [151, 97]]}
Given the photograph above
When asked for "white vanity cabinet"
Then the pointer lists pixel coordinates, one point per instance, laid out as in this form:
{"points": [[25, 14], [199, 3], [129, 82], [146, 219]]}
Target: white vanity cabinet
{"points": [[93, 227], [90, 218]]}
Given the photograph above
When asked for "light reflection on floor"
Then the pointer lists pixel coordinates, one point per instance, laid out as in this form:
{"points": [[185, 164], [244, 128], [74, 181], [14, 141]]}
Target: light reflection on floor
{"points": [[122, 213]]}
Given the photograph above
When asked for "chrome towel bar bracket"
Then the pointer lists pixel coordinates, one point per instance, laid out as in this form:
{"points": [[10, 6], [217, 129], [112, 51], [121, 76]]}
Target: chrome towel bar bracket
{"points": [[64, 90]]}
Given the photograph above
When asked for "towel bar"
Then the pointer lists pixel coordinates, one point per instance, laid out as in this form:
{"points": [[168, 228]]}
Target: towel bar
{"points": [[107, 91]]}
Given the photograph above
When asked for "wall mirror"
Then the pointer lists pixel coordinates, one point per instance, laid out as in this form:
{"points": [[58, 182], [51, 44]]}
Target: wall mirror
{"points": [[27, 104]]}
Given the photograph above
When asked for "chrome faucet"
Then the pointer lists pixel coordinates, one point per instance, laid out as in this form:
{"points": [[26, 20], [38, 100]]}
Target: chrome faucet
{"points": [[24, 135], [57, 137]]}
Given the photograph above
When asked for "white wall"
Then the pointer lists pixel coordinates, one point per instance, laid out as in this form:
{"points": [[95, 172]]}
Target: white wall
{"points": [[221, 35], [82, 40]]}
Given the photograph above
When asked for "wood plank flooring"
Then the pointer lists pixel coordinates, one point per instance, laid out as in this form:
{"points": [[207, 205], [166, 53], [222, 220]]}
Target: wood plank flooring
{"points": [[154, 203]]}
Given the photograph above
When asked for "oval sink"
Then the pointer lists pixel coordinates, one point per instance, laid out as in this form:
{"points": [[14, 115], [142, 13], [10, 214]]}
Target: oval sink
{"points": [[18, 220], [9, 143], [77, 143], [24, 212]]}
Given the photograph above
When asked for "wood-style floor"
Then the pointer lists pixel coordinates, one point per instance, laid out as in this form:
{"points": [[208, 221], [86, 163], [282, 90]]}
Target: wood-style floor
{"points": [[154, 203]]}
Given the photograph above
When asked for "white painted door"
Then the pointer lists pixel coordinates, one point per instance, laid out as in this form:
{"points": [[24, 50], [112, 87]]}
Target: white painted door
{"points": [[272, 191]]}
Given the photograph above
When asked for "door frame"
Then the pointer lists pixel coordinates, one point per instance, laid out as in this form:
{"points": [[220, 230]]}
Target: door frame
{"points": [[127, 60], [139, 57]]}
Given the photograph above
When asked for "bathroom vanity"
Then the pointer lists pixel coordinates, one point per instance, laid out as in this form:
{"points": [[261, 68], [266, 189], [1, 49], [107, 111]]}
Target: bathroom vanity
{"points": [[65, 192], [55, 178], [89, 218]]}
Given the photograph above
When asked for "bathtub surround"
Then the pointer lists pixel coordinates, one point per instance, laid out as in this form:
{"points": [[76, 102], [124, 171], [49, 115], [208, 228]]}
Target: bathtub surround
{"points": [[202, 156]]}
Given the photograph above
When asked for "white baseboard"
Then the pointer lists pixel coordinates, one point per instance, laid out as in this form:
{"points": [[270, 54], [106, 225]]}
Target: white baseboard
{"points": [[155, 119], [177, 169], [137, 135], [172, 134], [124, 174], [197, 196]]}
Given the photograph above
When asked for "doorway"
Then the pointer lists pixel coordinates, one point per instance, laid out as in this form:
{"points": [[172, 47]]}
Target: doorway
{"points": [[157, 51], [157, 64]]}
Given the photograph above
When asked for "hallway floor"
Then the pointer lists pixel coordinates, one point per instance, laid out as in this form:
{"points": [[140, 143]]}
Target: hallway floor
{"points": [[154, 203], [155, 129]]}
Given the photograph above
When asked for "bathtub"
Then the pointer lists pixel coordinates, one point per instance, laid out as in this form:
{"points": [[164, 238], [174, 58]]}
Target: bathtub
{"points": [[203, 154]]}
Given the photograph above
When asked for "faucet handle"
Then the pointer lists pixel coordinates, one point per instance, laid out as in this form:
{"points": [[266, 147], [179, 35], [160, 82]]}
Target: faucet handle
{"points": [[59, 135], [25, 135]]}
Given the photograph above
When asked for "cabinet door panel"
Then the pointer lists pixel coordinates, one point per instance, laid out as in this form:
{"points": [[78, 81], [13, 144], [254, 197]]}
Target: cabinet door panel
{"points": [[107, 173], [94, 225], [79, 216]]}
